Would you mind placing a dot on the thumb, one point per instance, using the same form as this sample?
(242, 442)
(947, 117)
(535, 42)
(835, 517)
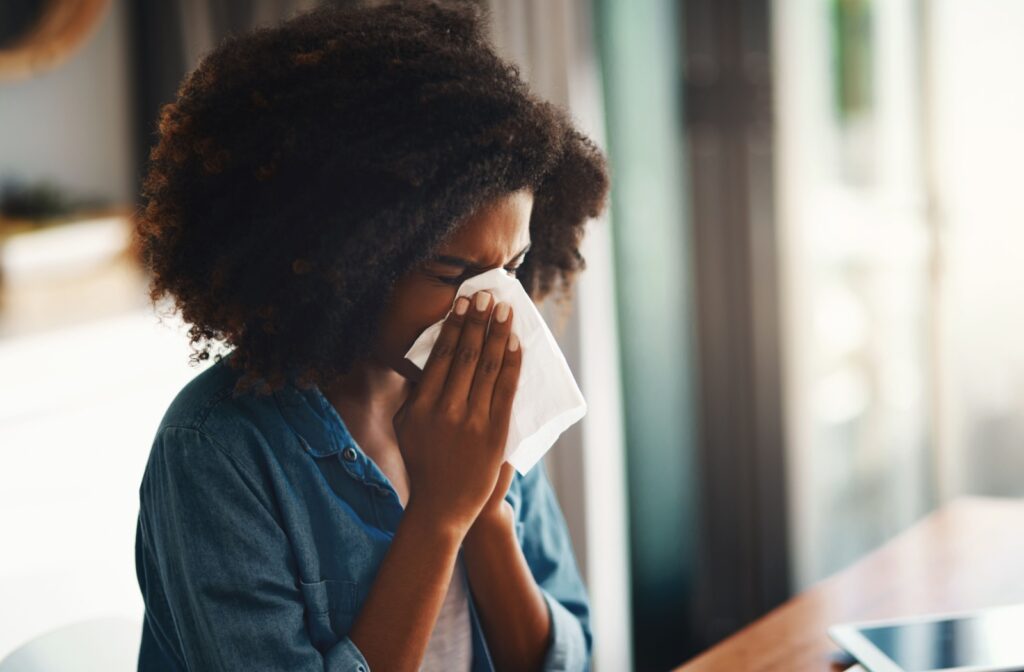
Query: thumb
(505, 478)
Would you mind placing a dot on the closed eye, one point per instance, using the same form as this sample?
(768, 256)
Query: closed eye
(459, 279)
(469, 268)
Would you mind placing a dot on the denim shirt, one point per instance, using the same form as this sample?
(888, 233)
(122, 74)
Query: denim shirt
(262, 524)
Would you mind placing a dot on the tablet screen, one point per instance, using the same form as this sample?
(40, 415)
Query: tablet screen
(989, 639)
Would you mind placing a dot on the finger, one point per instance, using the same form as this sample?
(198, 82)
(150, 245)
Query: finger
(505, 386)
(467, 353)
(490, 360)
(435, 371)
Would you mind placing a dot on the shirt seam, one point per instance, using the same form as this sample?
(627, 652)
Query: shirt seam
(211, 403)
(148, 549)
(249, 478)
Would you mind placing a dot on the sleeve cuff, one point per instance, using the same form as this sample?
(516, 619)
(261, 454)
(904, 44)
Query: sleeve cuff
(568, 649)
(345, 656)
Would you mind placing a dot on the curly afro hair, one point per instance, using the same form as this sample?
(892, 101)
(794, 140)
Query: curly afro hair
(303, 168)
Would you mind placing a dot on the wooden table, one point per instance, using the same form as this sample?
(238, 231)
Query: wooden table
(968, 554)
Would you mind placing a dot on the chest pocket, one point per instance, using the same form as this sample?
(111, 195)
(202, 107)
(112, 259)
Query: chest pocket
(330, 610)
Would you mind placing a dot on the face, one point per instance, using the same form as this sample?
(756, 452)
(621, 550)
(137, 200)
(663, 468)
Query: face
(497, 235)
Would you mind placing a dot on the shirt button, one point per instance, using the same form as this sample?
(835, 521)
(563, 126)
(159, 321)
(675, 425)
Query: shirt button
(349, 454)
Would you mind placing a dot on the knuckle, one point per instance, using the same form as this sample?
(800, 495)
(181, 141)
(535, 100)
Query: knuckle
(455, 320)
(490, 365)
(468, 354)
(450, 412)
(507, 384)
(477, 424)
(444, 348)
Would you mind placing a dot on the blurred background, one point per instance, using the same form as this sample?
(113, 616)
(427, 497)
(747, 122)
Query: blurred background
(800, 331)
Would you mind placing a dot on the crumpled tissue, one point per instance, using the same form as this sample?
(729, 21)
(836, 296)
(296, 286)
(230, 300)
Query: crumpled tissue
(548, 401)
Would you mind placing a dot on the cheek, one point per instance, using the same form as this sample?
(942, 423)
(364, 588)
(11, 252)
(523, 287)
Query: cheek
(410, 312)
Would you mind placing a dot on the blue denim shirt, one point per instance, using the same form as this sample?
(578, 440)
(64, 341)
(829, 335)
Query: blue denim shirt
(262, 524)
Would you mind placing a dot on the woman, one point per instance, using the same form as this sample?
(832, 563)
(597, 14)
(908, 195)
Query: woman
(319, 191)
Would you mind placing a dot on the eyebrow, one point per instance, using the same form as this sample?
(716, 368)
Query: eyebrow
(469, 263)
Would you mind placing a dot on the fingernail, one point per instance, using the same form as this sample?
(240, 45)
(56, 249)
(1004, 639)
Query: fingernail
(461, 305)
(501, 312)
(513, 342)
(482, 299)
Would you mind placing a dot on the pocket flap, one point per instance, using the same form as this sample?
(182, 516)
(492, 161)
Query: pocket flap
(329, 596)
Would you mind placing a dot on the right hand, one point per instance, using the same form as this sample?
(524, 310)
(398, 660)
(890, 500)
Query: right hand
(453, 426)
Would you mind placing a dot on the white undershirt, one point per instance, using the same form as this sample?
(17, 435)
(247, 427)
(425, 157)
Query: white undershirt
(451, 643)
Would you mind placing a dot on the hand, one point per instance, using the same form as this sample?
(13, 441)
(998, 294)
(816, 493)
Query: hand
(453, 426)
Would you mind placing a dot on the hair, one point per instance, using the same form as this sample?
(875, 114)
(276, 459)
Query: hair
(303, 168)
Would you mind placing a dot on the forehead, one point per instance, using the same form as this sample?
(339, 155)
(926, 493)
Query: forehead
(500, 227)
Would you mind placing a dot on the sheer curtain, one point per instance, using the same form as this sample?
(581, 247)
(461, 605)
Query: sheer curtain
(858, 263)
(900, 140)
(976, 102)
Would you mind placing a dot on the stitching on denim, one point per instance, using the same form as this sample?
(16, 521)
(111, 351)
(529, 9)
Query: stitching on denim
(255, 491)
(153, 626)
(303, 443)
(238, 467)
(280, 404)
(211, 403)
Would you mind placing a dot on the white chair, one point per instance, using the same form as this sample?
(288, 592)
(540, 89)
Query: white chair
(98, 645)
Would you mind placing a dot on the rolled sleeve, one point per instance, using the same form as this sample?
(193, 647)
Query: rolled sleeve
(216, 568)
(568, 649)
(345, 655)
(547, 548)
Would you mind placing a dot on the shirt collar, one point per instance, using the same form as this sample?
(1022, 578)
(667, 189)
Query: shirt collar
(314, 420)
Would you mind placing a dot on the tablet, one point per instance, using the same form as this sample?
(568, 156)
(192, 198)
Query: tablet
(987, 640)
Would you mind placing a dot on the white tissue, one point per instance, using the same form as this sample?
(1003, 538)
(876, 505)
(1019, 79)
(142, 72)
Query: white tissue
(548, 401)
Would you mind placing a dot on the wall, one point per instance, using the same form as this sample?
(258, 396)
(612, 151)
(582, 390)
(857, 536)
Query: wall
(72, 124)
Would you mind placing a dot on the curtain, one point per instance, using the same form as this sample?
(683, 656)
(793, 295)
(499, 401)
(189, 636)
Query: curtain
(553, 43)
